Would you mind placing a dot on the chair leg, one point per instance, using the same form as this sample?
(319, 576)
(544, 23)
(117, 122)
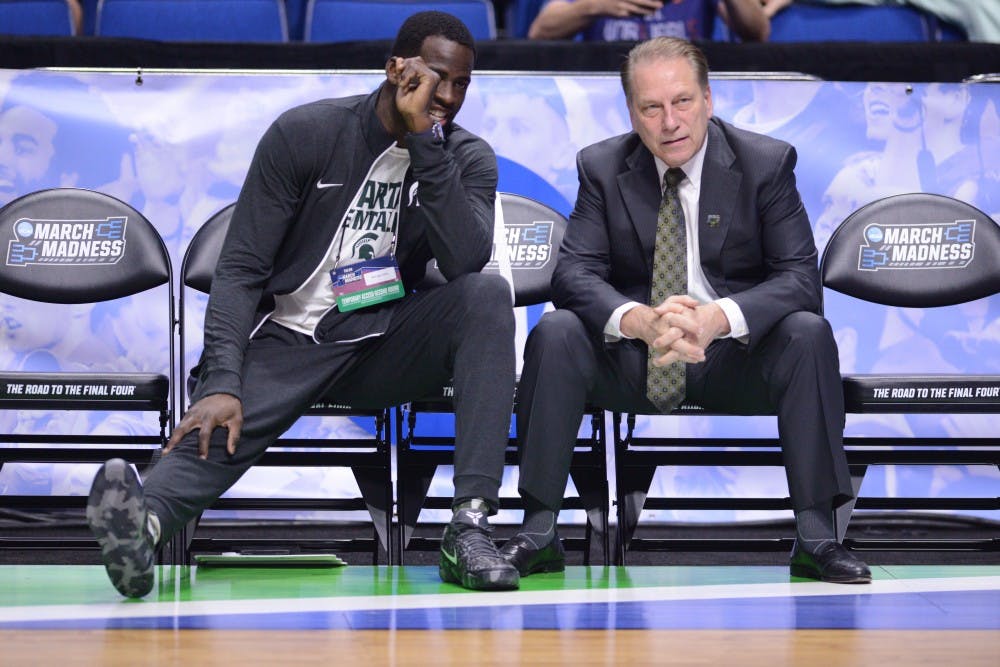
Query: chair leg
(373, 484)
(592, 485)
(413, 482)
(633, 486)
(842, 515)
(178, 550)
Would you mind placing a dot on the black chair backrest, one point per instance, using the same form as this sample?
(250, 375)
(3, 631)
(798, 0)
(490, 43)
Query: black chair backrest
(914, 250)
(67, 245)
(203, 251)
(531, 235)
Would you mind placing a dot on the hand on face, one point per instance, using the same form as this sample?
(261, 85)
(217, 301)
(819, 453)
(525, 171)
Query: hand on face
(415, 84)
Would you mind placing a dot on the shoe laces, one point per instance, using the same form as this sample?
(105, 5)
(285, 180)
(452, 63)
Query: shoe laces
(476, 543)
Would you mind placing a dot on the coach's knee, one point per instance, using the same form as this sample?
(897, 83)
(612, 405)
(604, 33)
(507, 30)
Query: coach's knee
(559, 331)
(807, 333)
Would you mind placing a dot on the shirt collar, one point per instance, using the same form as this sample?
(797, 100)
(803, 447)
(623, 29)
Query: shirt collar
(692, 168)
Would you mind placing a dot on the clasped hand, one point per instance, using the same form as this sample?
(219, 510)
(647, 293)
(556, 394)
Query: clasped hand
(679, 329)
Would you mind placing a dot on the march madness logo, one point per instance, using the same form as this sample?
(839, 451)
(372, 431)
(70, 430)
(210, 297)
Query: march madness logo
(67, 242)
(946, 245)
(529, 245)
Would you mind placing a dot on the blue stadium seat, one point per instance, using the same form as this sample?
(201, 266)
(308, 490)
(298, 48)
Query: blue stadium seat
(355, 20)
(35, 17)
(89, 16)
(194, 20)
(802, 22)
(943, 31)
(295, 12)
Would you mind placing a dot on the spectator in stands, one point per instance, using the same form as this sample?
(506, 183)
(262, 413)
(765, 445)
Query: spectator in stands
(76, 16)
(979, 19)
(629, 20)
(344, 204)
(736, 330)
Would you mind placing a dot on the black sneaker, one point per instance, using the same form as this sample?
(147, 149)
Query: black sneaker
(469, 557)
(116, 512)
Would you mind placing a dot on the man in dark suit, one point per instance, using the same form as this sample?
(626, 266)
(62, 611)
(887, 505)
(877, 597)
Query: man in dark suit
(739, 333)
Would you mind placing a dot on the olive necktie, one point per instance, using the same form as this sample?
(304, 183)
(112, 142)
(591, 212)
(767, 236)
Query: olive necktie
(665, 386)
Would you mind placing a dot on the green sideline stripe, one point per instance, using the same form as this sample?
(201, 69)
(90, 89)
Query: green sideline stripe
(30, 585)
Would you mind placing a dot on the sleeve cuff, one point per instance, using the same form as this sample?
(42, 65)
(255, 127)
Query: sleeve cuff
(737, 323)
(219, 382)
(434, 134)
(613, 328)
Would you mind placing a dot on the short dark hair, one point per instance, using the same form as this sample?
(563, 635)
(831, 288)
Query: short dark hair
(420, 26)
(666, 48)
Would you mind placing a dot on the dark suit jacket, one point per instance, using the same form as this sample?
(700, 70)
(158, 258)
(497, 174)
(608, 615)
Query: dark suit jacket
(755, 240)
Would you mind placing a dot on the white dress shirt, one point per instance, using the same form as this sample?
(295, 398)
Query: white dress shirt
(689, 191)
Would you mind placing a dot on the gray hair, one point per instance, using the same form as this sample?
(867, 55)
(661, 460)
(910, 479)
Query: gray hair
(664, 48)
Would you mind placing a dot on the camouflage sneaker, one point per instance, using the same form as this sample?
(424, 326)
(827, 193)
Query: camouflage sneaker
(116, 512)
(469, 557)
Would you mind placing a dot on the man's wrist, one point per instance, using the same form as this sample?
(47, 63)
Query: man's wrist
(635, 321)
(435, 132)
(719, 321)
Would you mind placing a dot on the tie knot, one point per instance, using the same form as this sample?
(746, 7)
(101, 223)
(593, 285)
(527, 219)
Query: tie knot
(673, 176)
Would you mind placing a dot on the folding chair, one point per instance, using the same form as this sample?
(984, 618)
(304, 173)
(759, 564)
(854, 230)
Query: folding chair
(78, 248)
(194, 20)
(356, 20)
(368, 458)
(917, 251)
(526, 237)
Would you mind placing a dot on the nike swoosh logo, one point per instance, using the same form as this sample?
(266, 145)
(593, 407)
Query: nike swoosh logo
(450, 557)
(320, 185)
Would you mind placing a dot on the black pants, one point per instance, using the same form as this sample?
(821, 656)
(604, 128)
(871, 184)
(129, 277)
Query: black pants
(794, 372)
(462, 330)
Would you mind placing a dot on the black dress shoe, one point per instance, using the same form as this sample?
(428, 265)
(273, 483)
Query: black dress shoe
(832, 562)
(528, 559)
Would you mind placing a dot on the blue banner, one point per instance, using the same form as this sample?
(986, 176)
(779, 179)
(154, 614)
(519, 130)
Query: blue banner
(176, 146)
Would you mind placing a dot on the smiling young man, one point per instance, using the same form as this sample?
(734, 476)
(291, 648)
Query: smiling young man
(340, 193)
(688, 272)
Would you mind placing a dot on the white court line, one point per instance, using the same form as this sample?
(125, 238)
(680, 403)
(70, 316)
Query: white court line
(504, 599)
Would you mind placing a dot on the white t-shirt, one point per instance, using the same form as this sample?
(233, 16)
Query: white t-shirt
(368, 230)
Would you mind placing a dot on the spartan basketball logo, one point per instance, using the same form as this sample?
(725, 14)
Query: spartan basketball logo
(946, 245)
(67, 242)
(529, 245)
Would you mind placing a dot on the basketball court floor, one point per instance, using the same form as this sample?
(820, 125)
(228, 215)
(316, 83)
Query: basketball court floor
(51, 614)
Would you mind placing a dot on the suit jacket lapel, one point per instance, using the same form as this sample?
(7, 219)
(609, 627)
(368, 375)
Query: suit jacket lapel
(719, 184)
(640, 192)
